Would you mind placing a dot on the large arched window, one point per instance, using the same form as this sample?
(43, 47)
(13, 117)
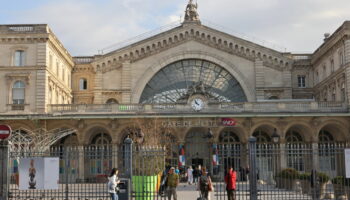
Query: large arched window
(295, 150)
(181, 79)
(18, 92)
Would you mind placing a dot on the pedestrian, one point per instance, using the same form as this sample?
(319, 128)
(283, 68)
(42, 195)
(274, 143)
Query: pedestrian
(177, 171)
(230, 180)
(195, 175)
(204, 184)
(172, 183)
(190, 175)
(113, 181)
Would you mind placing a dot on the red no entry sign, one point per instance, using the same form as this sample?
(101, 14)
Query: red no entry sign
(5, 132)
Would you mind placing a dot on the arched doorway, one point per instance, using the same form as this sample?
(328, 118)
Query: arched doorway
(100, 151)
(327, 155)
(197, 148)
(264, 148)
(230, 151)
(295, 150)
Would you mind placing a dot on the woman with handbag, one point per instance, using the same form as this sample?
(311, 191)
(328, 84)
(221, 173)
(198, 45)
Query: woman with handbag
(113, 181)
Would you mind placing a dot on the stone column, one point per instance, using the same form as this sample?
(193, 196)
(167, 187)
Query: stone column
(81, 162)
(283, 156)
(315, 156)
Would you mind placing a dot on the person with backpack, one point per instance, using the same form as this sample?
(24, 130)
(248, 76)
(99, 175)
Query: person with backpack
(230, 180)
(204, 184)
(113, 181)
(172, 183)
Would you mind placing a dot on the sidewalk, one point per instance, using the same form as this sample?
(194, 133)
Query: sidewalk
(185, 191)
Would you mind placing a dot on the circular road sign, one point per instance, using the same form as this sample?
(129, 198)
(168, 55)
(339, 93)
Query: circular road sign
(5, 132)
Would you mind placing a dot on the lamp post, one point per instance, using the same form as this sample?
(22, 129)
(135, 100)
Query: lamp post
(275, 137)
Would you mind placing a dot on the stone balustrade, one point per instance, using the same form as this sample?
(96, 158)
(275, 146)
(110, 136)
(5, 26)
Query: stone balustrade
(229, 108)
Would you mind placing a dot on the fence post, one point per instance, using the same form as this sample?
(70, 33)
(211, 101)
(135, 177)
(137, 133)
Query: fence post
(253, 169)
(4, 171)
(66, 170)
(128, 157)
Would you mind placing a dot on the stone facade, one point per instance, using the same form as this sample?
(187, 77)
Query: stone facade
(60, 91)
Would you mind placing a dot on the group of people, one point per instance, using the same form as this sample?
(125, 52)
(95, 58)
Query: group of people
(171, 180)
(202, 179)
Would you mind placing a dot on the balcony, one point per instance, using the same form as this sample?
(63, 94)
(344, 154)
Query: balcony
(219, 108)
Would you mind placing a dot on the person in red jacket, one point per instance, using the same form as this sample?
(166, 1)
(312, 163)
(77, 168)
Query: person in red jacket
(230, 180)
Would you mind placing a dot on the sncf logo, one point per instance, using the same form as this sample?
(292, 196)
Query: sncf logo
(228, 122)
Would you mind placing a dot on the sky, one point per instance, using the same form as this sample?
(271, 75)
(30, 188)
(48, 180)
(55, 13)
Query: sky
(87, 26)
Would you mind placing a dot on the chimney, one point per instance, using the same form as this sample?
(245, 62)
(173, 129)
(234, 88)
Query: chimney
(326, 36)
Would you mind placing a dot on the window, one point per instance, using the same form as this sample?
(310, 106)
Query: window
(82, 84)
(63, 73)
(295, 151)
(50, 62)
(19, 58)
(333, 94)
(324, 72)
(18, 92)
(57, 68)
(301, 81)
(316, 78)
(332, 65)
(341, 58)
(343, 92)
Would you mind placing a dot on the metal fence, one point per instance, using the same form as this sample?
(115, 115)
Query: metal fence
(291, 171)
(83, 172)
(264, 171)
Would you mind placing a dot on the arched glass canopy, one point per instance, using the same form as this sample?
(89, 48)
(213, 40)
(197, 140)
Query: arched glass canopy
(176, 82)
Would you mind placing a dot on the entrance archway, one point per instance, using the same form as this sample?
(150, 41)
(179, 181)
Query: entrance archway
(197, 148)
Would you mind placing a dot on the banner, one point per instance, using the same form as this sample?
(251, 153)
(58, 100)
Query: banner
(38, 173)
(182, 161)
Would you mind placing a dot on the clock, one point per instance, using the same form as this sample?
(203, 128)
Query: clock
(197, 104)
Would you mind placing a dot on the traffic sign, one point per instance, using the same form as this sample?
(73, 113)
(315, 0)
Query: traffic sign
(5, 132)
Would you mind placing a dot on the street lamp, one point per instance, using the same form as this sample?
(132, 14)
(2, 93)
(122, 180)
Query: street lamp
(275, 137)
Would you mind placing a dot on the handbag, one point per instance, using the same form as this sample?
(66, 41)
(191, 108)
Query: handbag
(117, 189)
(210, 186)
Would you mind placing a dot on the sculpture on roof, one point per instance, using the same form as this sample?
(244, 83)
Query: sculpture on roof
(191, 14)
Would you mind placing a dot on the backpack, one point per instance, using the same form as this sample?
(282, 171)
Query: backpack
(204, 182)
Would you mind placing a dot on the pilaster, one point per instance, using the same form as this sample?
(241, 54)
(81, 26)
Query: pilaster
(347, 84)
(347, 51)
(98, 87)
(259, 78)
(40, 88)
(126, 82)
(41, 54)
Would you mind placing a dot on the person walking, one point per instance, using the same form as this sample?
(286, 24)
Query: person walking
(113, 181)
(172, 183)
(195, 175)
(204, 184)
(230, 180)
(190, 175)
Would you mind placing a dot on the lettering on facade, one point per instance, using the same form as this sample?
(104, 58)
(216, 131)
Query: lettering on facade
(200, 123)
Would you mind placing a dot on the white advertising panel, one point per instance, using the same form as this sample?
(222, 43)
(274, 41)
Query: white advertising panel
(347, 162)
(38, 173)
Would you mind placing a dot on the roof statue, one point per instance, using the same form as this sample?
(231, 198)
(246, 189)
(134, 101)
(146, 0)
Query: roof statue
(191, 14)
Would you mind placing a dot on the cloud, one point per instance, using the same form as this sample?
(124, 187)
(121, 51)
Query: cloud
(85, 26)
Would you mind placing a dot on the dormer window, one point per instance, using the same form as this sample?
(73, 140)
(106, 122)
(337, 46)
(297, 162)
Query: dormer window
(19, 58)
(82, 84)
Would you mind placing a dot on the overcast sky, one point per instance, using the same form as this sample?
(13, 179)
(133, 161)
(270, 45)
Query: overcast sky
(86, 26)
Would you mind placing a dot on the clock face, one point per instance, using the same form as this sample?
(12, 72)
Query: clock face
(197, 104)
